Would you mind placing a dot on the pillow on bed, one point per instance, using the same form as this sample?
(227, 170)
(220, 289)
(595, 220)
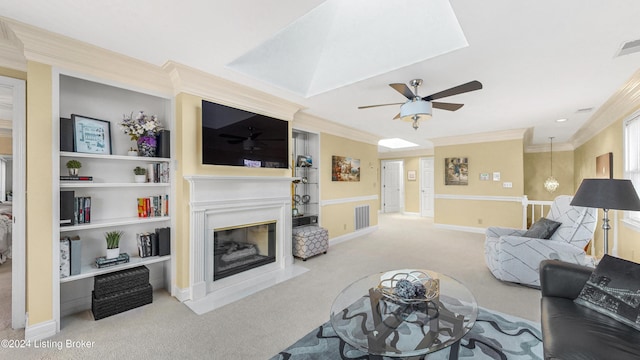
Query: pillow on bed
(613, 290)
(542, 229)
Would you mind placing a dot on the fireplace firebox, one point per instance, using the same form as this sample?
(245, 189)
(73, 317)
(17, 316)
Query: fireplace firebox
(241, 248)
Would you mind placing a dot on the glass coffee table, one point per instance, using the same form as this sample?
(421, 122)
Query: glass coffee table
(375, 321)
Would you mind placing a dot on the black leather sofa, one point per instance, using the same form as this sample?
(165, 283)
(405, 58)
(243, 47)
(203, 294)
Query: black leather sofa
(572, 331)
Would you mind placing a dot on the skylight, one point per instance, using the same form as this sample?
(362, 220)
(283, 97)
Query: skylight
(341, 42)
(396, 143)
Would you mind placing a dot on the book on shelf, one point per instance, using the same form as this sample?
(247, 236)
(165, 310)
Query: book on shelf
(158, 172)
(153, 206)
(82, 210)
(76, 178)
(102, 261)
(147, 244)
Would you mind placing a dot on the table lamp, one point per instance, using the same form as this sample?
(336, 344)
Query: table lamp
(607, 194)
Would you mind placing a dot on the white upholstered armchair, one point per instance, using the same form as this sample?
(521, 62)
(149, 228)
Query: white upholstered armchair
(512, 257)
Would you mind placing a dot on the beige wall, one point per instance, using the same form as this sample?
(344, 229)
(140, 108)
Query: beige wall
(339, 218)
(537, 170)
(505, 157)
(6, 145)
(39, 237)
(608, 140)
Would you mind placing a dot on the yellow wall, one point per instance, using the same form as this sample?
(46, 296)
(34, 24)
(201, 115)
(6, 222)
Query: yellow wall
(537, 170)
(39, 237)
(339, 218)
(412, 188)
(16, 74)
(505, 157)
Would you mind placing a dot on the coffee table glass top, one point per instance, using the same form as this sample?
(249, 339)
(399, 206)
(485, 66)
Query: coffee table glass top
(378, 325)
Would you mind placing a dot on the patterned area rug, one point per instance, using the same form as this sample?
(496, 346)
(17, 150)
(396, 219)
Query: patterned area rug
(494, 336)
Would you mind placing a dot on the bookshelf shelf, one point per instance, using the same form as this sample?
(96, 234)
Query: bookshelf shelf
(88, 271)
(81, 184)
(97, 224)
(66, 154)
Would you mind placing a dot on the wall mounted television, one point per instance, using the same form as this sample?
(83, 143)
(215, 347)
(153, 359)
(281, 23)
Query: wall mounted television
(237, 137)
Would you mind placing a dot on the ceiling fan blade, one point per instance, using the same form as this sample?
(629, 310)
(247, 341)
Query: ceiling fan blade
(446, 106)
(397, 116)
(254, 136)
(470, 86)
(371, 106)
(404, 90)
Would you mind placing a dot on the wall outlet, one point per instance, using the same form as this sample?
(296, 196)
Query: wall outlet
(507, 185)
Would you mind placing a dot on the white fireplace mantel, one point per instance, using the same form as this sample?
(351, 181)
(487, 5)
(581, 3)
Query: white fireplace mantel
(224, 201)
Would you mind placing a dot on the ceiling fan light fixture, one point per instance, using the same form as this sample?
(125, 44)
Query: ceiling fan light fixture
(412, 108)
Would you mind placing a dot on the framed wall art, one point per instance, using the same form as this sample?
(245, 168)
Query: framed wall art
(345, 168)
(456, 171)
(91, 135)
(604, 166)
(411, 175)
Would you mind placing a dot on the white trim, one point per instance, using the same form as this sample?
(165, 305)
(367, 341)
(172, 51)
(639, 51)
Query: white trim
(417, 214)
(348, 200)
(471, 229)
(350, 236)
(18, 267)
(40, 331)
(181, 294)
(517, 199)
(516, 134)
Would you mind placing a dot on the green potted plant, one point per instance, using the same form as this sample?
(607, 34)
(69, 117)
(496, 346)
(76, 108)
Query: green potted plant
(113, 243)
(74, 167)
(140, 174)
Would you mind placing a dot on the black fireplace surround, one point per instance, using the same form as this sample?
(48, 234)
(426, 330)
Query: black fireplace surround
(243, 248)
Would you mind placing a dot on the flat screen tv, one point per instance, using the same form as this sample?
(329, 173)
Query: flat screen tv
(237, 137)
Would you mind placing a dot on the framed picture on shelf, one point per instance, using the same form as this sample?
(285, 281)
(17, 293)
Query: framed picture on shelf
(91, 135)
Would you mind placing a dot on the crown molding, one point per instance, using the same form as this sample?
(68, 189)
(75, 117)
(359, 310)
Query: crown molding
(11, 49)
(186, 79)
(56, 50)
(397, 154)
(567, 146)
(515, 134)
(620, 105)
(307, 122)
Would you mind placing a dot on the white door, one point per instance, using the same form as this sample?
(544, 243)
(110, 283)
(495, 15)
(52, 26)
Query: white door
(427, 190)
(391, 186)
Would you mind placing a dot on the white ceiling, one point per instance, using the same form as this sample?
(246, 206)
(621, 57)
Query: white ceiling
(538, 60)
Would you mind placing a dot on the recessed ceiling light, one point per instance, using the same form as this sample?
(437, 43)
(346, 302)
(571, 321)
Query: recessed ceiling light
(396, 143)
(561, 120)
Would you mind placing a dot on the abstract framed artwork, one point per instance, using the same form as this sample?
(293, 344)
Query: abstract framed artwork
(91, 135)
(345, 168)
(456, 171)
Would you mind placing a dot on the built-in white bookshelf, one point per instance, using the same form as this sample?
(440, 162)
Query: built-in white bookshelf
(114, 193)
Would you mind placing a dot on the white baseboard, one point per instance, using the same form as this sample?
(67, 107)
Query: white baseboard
(461, 228)
(40, 331)
(181, 294)
(411, 213)
(353, 235)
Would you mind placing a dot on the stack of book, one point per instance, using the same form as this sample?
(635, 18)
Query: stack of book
(82, 209)
(102, 261)
(153, 206)
(70, 178)
(147, 244)
(158, 172)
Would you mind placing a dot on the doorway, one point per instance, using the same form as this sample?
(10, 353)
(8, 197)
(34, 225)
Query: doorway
(392, 186)
(12, 201)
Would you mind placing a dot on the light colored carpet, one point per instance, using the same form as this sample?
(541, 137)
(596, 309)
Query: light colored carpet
(260, 326)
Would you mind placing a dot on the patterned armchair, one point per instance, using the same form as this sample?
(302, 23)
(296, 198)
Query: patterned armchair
(512, 257)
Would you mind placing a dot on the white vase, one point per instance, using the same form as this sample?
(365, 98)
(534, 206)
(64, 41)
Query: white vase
(74, 171)
(113, 253)
(132, 152)
(140, 178)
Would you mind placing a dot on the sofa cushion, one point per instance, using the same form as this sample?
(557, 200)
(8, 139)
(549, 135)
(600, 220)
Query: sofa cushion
(542, 229)
(613, 289)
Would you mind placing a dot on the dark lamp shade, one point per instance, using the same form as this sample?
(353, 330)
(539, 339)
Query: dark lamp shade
(616, 194)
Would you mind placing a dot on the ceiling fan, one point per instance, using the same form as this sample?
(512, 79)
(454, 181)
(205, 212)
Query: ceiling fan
(419, 108)
(250, 142)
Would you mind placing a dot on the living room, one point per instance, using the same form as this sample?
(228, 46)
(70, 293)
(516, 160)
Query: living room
(40, 57)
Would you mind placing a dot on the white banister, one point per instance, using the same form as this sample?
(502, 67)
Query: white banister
(537, 209)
